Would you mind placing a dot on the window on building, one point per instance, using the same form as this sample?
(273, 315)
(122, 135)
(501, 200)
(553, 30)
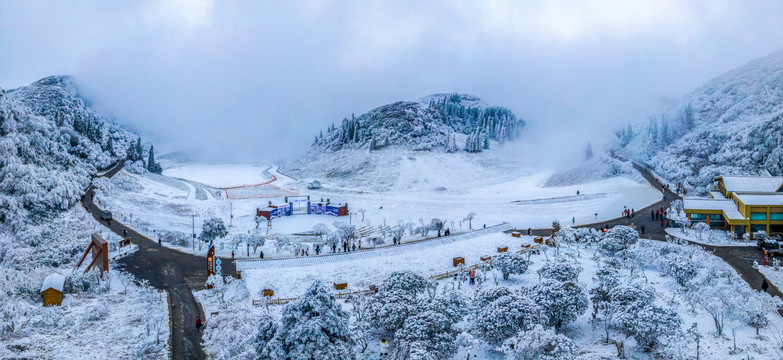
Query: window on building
(758, 216)
(776, 229)
(754, 228)
(717, 221)
(739, 230)
(776, 216)
(698, 217)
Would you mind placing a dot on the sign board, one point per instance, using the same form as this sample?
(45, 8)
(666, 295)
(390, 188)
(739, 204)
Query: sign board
(210, 260)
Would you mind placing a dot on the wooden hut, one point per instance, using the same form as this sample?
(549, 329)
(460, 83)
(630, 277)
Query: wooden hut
(52, 290)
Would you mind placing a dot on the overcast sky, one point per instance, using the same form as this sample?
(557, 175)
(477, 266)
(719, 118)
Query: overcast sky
(256, 80)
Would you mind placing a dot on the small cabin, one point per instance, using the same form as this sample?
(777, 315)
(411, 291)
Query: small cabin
(52, 290)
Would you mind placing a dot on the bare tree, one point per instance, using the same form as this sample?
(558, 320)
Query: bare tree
(470, 218)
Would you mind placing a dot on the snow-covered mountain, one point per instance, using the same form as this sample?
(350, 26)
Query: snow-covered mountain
(431, 123)
(409, 145)
(51, 142)
(731, 125)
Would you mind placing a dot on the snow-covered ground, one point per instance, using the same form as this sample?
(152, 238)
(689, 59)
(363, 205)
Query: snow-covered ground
(501, 194)
(708, 237)
(220, 176)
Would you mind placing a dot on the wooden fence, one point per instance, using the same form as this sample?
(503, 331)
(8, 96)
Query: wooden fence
(449, 274)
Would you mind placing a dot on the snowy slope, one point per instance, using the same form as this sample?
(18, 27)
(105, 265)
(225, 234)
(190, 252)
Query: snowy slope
(51, 141)
(731, 125)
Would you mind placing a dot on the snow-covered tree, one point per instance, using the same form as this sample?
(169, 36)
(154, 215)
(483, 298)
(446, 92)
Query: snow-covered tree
(344, 231)
(469, 218)
(315, 327)
(153, 166)
(506, 316)
(588, 151)
(266, 345)
(426, 335)
(212, 229)
(618, 238)
(406, 281)
(510, 263)
(540, 344)
(758, 307)
(562, 302)
(653, 324)
(560, 271)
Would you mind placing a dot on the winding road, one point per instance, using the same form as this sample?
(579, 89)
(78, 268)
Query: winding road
(176, 272)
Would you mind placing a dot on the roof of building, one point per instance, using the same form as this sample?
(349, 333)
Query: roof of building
(773, 198)
(727, 206)
(54, 281)
(751, 183)
(716, 194)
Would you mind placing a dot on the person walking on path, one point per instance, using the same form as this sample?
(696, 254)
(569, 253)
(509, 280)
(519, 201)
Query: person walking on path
(529, 231)
(764, 285)
(261, 254)
(232, 254)
(472, 276)
(652, 214)
(633, 212)
(198, 323)
(573, 220)
(642, 229)
(661, 222)
(125, 232)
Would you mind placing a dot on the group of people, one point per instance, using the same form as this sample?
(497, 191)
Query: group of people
(662, 215)
(628, 213)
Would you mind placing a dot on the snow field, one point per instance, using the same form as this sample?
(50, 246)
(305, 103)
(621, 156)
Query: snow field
(220, 175)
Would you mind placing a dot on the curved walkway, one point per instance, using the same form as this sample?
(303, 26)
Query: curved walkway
(738, 257)
(167, 269)
(242, 265)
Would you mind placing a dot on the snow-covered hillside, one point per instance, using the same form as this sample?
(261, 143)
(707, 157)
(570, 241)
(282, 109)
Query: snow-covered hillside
(432, 123)
(51, 142)
(731, 125)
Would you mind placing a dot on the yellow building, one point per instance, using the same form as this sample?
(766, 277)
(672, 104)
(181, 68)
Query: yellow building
(741, 204)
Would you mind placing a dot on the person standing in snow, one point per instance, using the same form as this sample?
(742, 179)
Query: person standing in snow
(573, 220)
(472, 276)
(529, 231)
(642, 229)
(261, 254)
(232, 254)
(652, 214)
(633, 212)
(198, 323)
(764, 285)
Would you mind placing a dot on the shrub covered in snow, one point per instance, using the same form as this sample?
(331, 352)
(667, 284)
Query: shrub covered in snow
(315, 327)
(560, 271)
(506, 316)
(562, 302)
(510, 263)
(541, 344)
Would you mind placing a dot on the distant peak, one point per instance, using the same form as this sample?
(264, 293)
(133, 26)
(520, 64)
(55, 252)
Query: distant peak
(56, 80)
(451, 97)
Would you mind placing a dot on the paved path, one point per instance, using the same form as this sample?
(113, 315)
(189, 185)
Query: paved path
(168, 269)
(366, 254)
(738, 257)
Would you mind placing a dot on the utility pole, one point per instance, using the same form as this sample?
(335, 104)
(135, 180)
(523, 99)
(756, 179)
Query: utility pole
(231, 212)
(193, 240)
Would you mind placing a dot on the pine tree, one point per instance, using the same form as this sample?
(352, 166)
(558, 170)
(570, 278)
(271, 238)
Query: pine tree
(139, 150)
(152, 166)
(266, 345)
(315, 327)
(131, 153)
(110, 146)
